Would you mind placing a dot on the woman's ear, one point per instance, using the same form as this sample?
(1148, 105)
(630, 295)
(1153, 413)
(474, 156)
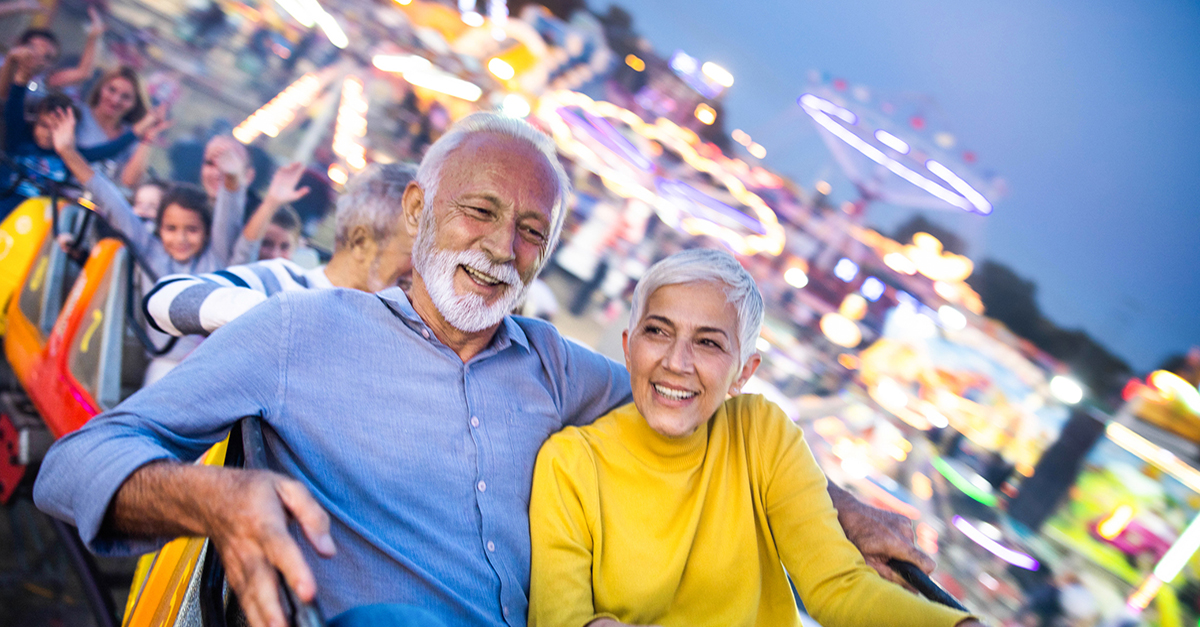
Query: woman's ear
(747, 371)
(625, 346)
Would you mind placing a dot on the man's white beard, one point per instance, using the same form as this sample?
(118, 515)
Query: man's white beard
(466, 312)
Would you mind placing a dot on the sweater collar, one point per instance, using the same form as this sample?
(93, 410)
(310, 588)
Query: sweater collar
(657, 450)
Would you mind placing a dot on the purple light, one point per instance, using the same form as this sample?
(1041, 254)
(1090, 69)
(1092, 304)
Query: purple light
(1016, 558)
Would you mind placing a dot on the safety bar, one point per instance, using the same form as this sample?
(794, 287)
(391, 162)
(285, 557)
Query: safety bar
(923, 584)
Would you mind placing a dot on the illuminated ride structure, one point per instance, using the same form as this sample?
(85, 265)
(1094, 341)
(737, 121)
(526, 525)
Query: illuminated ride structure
(891, 163)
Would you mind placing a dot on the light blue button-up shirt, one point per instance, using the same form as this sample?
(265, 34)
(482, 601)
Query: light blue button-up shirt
(424, 463)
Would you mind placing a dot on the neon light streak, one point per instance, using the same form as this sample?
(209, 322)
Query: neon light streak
(1179, 553)
(444, 83)
(820, 110)
(351, 125)
(966, 486)
(1014, 557)
(274, 116)
(891, 141)
(1125, 438)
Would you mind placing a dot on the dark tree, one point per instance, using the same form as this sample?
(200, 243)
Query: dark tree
(920, 224)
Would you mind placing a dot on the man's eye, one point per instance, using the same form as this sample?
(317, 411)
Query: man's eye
(535, 234)
(479, 211)
(711, 344)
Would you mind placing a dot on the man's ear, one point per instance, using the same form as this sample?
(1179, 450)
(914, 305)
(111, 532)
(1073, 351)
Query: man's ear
(361, 244)
(413, 203)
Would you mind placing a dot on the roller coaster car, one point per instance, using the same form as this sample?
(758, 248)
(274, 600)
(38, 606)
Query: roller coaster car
(22, 234)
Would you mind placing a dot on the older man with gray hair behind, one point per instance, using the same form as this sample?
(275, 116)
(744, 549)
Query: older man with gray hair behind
(371, 252)
(401, 428)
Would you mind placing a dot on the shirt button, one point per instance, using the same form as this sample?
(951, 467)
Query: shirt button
(425, 332)
(491, 546)
(474, 421)
(482, 486)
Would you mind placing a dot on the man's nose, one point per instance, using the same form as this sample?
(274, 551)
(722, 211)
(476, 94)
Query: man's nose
(500, 243)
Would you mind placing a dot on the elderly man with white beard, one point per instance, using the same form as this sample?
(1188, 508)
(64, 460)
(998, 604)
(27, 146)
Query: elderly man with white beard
(401, 430)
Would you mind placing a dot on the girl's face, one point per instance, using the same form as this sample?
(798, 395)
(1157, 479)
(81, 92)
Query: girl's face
(146, 201)
(117, 98)
(277, 243)
(182, 233)
(42, 133)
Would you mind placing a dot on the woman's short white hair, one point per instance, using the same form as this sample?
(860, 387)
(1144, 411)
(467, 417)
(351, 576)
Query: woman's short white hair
(716, 266)
(429, 174)
(373, 199)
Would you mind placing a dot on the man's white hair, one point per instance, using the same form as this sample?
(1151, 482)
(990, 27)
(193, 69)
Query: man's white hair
(429, 174)
(373, 199)
(715, 266)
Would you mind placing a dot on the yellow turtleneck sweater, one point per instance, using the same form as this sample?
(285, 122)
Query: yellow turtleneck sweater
(651, 530)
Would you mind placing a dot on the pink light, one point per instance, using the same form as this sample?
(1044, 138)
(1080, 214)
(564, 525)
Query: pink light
(1016, 558)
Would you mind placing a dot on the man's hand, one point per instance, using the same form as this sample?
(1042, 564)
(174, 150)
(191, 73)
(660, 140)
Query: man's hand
(250, 532)
(283, 188)
(23, 60)
(879, 535)
(244, 513)
(62, 130)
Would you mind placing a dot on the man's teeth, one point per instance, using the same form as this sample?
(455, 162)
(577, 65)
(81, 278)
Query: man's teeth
(481, 277)
(677, 395)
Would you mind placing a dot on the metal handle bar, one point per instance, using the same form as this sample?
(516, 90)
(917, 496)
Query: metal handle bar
(923, 584)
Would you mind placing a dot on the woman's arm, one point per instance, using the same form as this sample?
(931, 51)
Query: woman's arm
(837, 586)
(147, 131)
(564, 484)
(87, 61)
(283, 190)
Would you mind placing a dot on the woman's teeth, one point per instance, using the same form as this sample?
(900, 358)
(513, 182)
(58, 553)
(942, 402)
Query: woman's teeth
(481, 277)
(676, 395)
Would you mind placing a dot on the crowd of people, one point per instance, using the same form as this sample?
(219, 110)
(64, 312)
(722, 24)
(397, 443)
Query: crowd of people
(405, 414)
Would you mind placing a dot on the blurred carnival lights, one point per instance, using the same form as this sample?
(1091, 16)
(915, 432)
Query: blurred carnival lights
(1014, 557)
(706, 114)
(275, 116)
(891, 141)
(1172, 386)
(1112, 526)
(635, 62)
(400, 63)
(515, 106)
(962, 195)
(351, 125)
(501, 69)
(845, 270)
(1066, 389)
(756, 150)
(841, 330)
(444, 83)
(795, 277)
(952, 318)
(718, 74)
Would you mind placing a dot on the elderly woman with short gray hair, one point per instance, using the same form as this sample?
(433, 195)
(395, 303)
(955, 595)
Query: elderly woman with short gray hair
(693, 505)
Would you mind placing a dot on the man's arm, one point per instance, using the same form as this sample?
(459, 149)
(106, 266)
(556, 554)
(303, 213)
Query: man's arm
(121, 481)
(878, 534)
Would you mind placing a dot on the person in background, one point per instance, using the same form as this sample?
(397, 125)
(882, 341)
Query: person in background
(372, 251)
(115, 104)
(31, 146)
(37, 49)
(717, 489)
(284, 189)
(282, 237)
(17, 7)
(189, 237)
(146, 201)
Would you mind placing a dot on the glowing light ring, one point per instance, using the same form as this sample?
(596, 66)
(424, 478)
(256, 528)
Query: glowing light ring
(631, 182)
(1012, 556)
(962, 195)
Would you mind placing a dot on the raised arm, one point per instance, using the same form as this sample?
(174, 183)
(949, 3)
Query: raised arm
(87, 60)
(17, 129)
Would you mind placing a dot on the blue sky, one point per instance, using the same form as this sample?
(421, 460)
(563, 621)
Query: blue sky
(1089, 110)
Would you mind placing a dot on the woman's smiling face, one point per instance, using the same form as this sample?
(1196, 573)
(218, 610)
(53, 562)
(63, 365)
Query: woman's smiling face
(683, 356)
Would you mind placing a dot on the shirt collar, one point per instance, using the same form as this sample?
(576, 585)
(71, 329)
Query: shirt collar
(317, 279)
(509, 332)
